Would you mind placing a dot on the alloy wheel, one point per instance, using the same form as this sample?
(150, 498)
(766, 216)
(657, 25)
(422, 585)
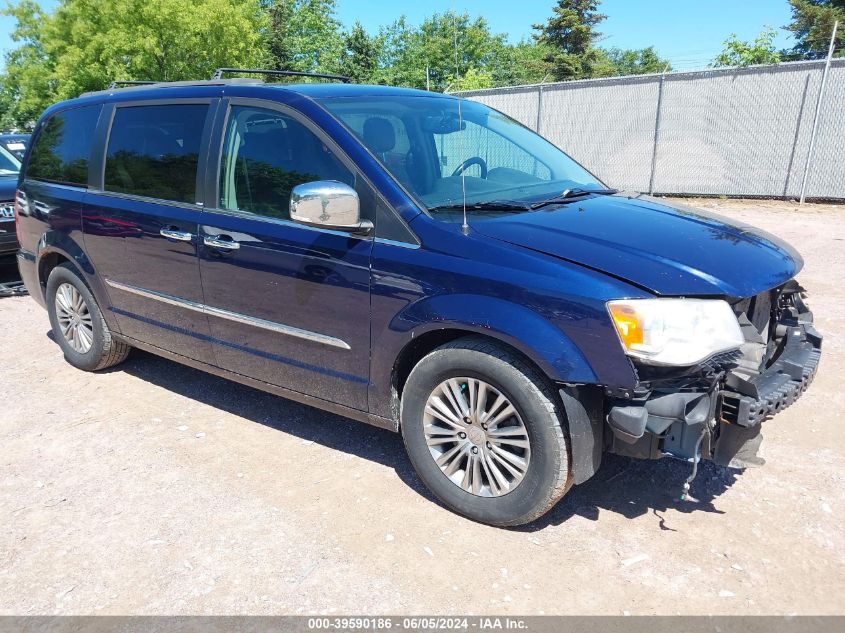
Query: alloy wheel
(74, 318)
(477, 437)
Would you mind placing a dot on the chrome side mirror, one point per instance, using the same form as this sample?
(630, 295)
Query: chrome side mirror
(329, 204)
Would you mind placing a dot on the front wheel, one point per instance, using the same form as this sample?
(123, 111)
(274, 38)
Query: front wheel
(483, 431)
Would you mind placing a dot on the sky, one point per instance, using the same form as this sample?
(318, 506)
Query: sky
(689, 33)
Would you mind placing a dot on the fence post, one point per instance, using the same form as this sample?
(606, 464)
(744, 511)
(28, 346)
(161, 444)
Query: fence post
(539, 108)
(656, 133)
(819, 100)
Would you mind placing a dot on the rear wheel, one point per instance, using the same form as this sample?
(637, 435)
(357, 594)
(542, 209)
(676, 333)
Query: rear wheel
(78, 324)
(483, 431)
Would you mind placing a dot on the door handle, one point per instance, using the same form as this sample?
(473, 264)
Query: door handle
(221, 241)
(174, 234)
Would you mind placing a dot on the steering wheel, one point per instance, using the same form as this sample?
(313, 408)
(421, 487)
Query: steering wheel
(469, 162)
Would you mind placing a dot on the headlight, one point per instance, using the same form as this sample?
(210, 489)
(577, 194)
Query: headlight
(675, 331)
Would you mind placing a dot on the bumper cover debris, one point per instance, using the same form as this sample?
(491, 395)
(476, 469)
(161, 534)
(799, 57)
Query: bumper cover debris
(747, 401)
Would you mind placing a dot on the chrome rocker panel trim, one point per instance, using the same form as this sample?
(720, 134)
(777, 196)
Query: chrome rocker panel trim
(280, 328)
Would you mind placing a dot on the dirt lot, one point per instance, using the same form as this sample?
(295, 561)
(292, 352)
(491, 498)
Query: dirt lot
(157, 489)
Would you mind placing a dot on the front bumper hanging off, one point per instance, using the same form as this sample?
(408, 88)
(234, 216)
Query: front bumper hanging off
(748, 401)
(714, 411)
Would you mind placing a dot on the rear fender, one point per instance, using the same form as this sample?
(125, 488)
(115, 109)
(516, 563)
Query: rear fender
(62, 244)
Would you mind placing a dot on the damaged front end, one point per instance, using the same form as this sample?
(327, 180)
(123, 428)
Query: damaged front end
(713, 410)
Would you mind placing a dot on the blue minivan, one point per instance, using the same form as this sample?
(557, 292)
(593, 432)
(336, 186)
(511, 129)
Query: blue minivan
(415, 261)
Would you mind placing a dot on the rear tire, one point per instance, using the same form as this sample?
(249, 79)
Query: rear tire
(528, 447)
(78, 324)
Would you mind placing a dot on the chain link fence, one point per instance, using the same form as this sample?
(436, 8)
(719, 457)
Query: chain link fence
(732, 131)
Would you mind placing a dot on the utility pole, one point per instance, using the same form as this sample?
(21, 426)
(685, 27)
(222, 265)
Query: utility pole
(818, 112)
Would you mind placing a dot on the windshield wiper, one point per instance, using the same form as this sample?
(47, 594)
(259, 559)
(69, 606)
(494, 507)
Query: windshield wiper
(571, 194)
(492, 205)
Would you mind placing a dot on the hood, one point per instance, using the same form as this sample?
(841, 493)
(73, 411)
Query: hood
(666, 249)
(8, 184)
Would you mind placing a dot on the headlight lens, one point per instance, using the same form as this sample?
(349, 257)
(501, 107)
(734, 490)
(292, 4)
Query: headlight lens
(675, 331)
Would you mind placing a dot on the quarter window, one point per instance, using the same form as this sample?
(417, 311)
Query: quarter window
(153, 151)
(265, 155)
(63, 147)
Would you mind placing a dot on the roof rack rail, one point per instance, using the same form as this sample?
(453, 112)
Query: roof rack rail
(218, 74)
(129, 82)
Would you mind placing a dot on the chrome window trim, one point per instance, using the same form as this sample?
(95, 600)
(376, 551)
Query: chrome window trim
(273, 326)
(384, 240)
(179, 204)
(269, 219)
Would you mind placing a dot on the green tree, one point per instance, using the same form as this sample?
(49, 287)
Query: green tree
(812, 25)
(85, 44)
(27, 83)
(361, 56)
(520, 64)
(616, 62)
(305, 35)
(474, 79)
(759, 51)
(569, 36)
(446, 46)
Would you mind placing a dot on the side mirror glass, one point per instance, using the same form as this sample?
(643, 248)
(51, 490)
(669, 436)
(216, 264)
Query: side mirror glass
(328, 204)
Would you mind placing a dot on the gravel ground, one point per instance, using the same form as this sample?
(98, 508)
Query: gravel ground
(157, 489)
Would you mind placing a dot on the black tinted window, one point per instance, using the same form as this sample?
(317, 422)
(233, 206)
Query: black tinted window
(63, 147)
(153, 151)
(265, 155)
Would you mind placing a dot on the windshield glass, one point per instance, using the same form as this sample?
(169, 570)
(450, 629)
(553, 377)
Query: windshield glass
(9, 165)
(428, 145)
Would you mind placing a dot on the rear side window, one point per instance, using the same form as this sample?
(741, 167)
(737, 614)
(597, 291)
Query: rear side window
(63, 147)
(153, 151)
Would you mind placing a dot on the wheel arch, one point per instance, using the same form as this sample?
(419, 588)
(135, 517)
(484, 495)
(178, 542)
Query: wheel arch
(428, 341)
(56, 248)
(438, 320)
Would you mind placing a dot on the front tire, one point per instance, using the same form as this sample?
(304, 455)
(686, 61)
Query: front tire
(78, 324)
(484, 433)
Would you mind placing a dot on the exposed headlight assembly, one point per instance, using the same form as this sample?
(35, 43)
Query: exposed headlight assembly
(675, 331)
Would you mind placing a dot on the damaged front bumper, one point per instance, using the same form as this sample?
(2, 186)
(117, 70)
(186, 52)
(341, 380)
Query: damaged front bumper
(713, 411)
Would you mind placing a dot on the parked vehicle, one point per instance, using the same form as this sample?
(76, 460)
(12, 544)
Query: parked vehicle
(418, 262)
(10, 168)
(15, 144)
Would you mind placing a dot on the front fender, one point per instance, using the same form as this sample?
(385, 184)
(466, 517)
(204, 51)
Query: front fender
(537, 338)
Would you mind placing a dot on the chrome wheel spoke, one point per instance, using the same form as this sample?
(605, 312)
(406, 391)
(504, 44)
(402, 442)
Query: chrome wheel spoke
(506, 431)
(440, 410)
(510, 461)
(498, 482)
(506, 413)
(447, 460)
(74, 318)
(63, 300)
(77, 301)
(456, 398)
(438, 441)
(84, 335)
(508, 441)
(480, 399)
(476, 437)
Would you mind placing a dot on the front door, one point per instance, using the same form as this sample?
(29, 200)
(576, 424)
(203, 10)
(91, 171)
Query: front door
(140, 226)
(287, 304)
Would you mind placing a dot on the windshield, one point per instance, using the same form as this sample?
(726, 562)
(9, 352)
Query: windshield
(9, 165)
(435, 151)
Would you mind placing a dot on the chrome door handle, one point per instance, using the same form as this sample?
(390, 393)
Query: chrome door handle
(173, 234)
(217, 241)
